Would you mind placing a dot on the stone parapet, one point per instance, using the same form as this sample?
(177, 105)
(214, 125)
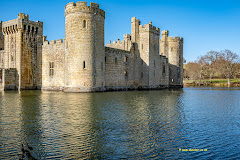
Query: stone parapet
(82, 7)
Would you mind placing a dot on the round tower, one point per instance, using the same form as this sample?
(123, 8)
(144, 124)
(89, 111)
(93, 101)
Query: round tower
(85, 57)
(175, 59)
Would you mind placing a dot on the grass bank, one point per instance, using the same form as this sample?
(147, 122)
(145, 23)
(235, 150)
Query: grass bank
(213, 82)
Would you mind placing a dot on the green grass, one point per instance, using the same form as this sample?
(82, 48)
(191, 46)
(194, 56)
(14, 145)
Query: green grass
(213, 81)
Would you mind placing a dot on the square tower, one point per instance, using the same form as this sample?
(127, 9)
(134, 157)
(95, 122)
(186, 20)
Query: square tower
(22, 59)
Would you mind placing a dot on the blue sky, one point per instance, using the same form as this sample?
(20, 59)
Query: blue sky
(204, 24)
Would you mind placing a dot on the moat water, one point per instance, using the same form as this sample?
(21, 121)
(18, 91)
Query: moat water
(189, 123)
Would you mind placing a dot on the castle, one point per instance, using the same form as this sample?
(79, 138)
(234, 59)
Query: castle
(81, 62)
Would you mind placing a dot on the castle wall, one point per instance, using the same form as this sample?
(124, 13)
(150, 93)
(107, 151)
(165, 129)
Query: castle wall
(53, 65)
(9, 80)
(2, 59)
(119, 69)
(1, 38)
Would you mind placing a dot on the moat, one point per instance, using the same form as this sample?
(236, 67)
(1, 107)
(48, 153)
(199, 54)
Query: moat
(114, 125)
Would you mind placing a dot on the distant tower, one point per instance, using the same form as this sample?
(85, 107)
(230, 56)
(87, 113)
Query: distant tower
(172, 48)
(23, 50)
(85, 57)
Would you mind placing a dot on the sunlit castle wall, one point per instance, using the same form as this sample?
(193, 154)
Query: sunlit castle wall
(84, 29)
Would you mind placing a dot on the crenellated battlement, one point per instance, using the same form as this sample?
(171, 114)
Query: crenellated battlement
(175, 39)
(149, 28)
(115, 50)
(53, 42)
(82, 7)
(23, 16)
(165, 33)
(125, 44)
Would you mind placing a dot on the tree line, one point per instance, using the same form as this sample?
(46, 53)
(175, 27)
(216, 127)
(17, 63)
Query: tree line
(214, 64)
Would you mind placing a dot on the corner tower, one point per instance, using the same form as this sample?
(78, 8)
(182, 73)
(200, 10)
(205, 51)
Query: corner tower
(23, 51)
(84, 31)
(172, 48)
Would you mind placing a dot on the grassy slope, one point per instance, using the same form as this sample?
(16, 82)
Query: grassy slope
(213, 81)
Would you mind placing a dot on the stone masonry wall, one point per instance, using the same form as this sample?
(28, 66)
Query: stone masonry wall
(22, 46)
(10, 80)
(53, 52)
(2, 59)
(119, 69)
(1, 38)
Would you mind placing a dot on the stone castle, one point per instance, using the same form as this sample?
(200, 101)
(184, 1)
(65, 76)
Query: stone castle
(81, 62)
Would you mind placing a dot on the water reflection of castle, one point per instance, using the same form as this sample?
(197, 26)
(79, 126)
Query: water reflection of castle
(81, 62)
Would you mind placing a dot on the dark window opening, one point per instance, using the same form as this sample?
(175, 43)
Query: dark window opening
(164, 69)
(84, 23)
(102, 66)
(105, 59)
(36, 29)
(126, 74)
(29, 28)
(84, 65)
(24, 27)
(116, 60)
(141, 74)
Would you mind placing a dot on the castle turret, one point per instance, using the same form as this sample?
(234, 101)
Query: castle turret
(164, 43)
(172, 48)
(84, 29)
(135, 29)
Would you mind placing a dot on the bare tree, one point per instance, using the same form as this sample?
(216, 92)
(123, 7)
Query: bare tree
(227, 64)
(211, 59)
(192, 70)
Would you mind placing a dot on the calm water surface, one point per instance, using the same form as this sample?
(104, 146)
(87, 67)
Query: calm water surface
(114, 125)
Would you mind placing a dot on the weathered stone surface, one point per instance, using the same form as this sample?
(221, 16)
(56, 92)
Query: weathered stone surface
(80, 62)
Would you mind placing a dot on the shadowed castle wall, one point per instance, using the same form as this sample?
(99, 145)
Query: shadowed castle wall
(172, 48)
(119, 69)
